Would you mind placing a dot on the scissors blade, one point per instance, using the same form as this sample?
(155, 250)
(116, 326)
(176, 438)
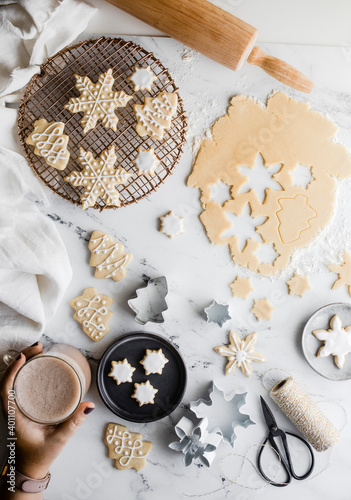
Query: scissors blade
(268, 415)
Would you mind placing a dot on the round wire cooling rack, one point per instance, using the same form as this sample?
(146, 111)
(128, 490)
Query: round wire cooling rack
(49, 91)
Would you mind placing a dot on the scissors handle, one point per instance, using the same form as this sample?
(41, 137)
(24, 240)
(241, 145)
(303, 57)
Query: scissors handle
(286, 463)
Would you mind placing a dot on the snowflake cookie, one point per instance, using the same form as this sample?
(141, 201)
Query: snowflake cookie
(154, 361)
(262, 309)
(241, 287)
(121, 371)
(298, 285)
(144, 393)
(240, 353)
(50, 142)
(142, 78)
(127, 448)
(155, 115)
(337, 341)
(344, 272)
(97, 101)
(98, 178)
(108, 256)
(91, 311)
(146, 161)
(172, 224)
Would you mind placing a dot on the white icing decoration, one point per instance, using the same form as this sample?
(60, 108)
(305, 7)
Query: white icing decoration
(149, 116)
(129, 451)
(144, 393)
(142, 78)
(111, 253)
(172, 225)
(146, 161)
(337, 341)
(154, 361)
(48, 141)
(92, 310)
(121, 371)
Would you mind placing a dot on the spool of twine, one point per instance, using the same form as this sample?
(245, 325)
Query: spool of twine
(298, 406)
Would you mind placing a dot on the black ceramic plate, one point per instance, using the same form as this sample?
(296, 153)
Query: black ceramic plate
(170, 384)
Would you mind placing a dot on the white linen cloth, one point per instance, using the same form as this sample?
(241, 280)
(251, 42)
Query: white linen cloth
(34, 265)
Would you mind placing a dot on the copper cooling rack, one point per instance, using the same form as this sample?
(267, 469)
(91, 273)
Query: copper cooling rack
(49, 91)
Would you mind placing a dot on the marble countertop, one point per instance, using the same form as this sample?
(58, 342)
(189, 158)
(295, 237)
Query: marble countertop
(198, 272)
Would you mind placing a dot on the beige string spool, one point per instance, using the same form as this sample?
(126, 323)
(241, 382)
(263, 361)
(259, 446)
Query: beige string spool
(298, 406)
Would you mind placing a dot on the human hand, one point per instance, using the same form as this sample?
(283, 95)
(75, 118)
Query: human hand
(38, 445)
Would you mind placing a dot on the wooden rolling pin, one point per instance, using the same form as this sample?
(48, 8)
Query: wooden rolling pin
(215, 33)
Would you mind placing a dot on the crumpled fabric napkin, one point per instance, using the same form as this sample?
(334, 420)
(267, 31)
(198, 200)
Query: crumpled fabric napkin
(34, 265)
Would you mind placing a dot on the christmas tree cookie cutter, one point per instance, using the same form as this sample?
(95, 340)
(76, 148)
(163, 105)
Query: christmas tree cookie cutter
(149, 302)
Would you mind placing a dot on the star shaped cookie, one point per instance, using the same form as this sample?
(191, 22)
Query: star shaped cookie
(142, 78)
(97, 101)
(98, 178)
(144, 393)
(154, 361)
(241, 287)
(337, 341)
(298, 285)
(121, 371)
(172, 224)
(240, 353)
(262, 309)
(344, 272)
(146, 161)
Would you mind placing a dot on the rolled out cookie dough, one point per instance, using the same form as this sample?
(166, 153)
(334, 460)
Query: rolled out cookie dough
(278, 133)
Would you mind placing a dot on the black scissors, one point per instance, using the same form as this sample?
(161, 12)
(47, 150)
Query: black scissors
(275, 432)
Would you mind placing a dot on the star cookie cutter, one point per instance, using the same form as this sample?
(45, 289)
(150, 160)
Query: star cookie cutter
(222, 413)
(148, 303)
(195, 442)
(217, 313)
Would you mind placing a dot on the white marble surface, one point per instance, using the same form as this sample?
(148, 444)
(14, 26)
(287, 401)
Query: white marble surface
(198, 272)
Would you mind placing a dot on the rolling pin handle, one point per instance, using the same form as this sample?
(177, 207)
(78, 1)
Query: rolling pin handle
(280, 70)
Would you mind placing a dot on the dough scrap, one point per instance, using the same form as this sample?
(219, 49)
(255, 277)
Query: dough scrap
(241, 287)
(262, 309)
(278, 132)
(344, 272)
(298, 285)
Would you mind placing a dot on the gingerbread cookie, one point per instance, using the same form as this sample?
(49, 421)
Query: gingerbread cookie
(154, 361)
(97, 101)
(144, 393)
(337, 341)
(155, 115)
(142, 78)
(146, 161)
(240, 353)
(91, 311)
(108, 256)
(98, 178)
(50, 142)
(127, 448)
(121, 371)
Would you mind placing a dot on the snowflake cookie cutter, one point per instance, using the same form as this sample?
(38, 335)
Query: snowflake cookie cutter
(222, 413)
(148, 303)
(195, 442)
(217, 313)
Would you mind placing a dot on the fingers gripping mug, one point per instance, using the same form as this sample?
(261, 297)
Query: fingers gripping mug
(50, 386)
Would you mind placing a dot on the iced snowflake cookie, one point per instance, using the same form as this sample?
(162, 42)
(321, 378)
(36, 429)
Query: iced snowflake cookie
(127, 448)
(91, 311)
(50, 142)
(171, 224)
(142, 78)
(154, 361)
(155, 115)
(108, 256)
(121, 371)
(98, 178)
(144, 393)
(337, 341)
(97, 101)
(146, 161)
(240, 353)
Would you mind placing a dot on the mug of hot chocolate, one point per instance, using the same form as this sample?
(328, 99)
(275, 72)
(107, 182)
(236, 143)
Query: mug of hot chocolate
(50, 386)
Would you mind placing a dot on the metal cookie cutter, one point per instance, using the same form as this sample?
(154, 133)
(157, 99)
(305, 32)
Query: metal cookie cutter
(149, 302)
